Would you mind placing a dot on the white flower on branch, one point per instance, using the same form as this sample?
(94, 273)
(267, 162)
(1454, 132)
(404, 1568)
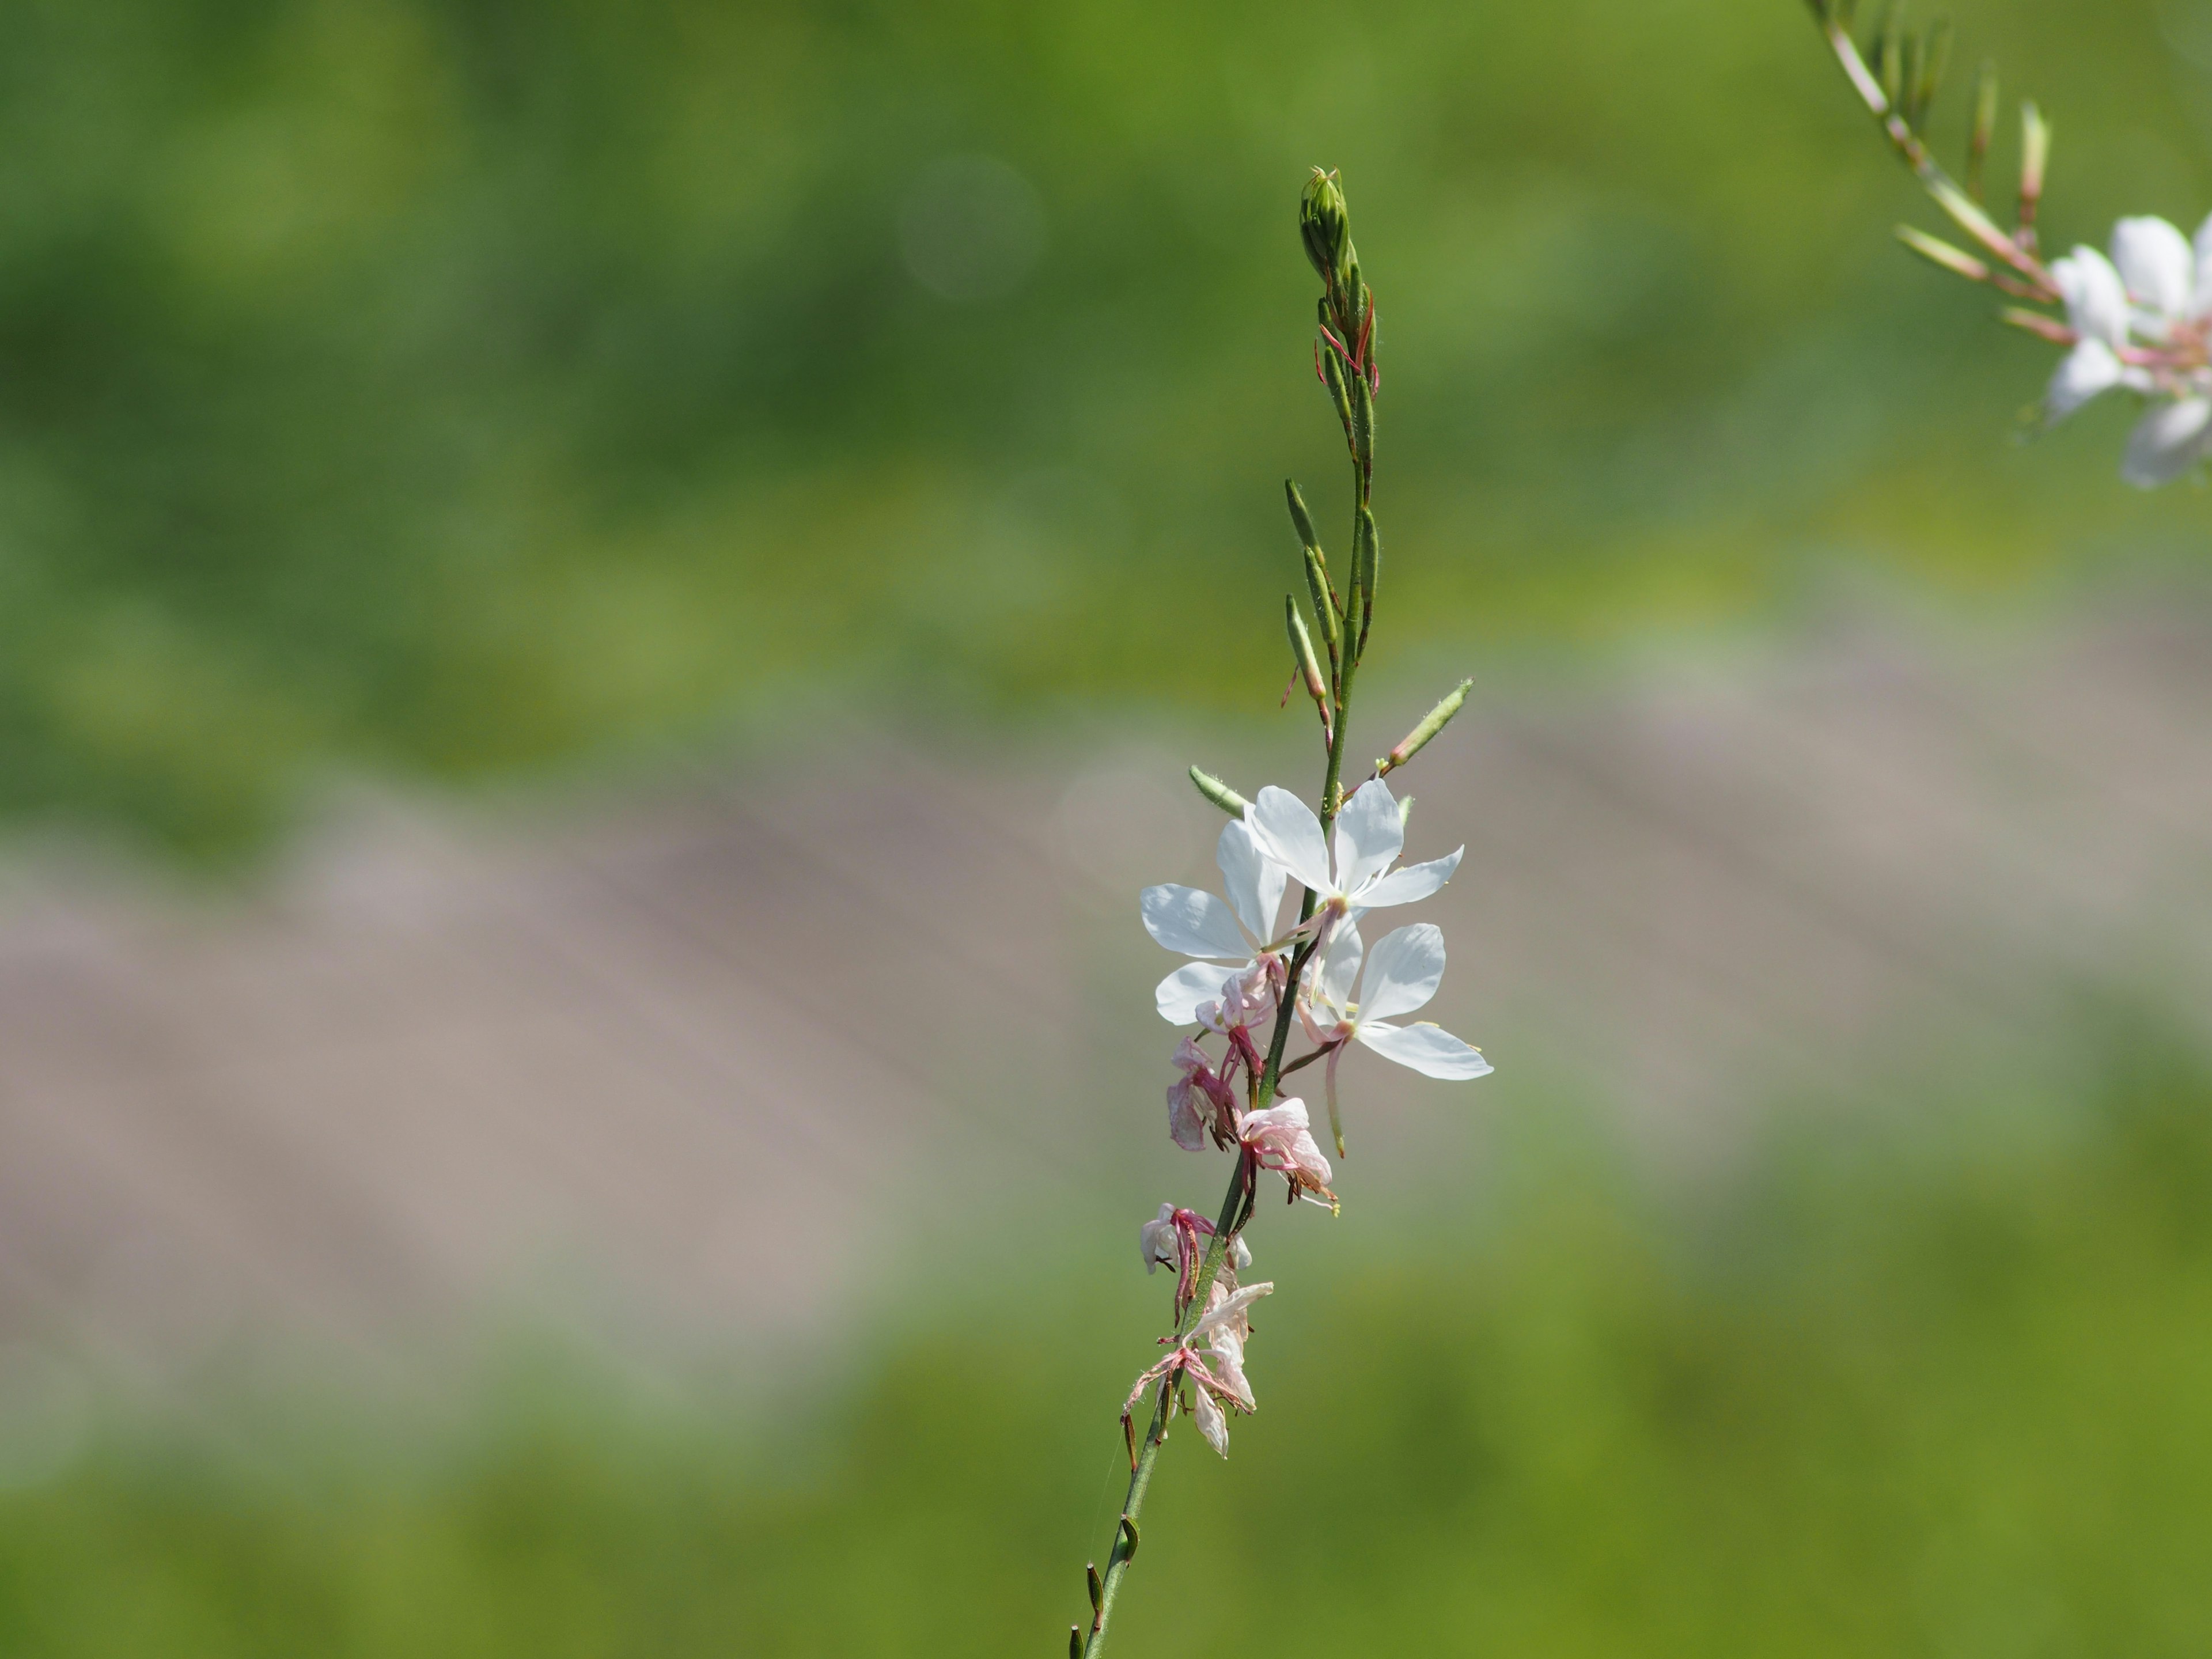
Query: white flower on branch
(2141, 321)
(1370, 833)
(1355, 1000)
(1196, 923)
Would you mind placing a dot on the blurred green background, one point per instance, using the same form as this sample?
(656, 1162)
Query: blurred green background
(461, 388)
(483, 391)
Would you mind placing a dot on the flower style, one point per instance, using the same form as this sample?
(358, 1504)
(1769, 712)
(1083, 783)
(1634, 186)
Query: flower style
(1210, 1361)
(1281, 1139)
(1401, 975)
(1370, 833)
(1196, 923)
(2157, 287)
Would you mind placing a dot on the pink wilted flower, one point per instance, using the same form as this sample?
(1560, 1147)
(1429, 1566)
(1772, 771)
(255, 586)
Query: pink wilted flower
(1200, 1102)
(1281, 1139)
(1173, 1239)
(1209, 1363)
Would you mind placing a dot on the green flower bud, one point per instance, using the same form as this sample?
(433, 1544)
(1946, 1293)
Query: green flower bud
(1219, 792)
(1431, 723)
(1325, 225)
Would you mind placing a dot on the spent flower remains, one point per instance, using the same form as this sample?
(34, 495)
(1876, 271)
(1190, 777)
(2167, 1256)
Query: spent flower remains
(2137, 321)
(1257, 977)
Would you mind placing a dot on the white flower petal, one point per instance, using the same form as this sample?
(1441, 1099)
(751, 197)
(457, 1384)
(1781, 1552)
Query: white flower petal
(1339, 969)
(1230, 1307)
(2155, 264)
(2166, 442)
(1403, 973)
(1429, 1050)
(2202, 299)
(1193, 921)
(1156, 1240)
(1370, 835)
(1415, 881)
(1240, 1253)
(1213, 1422)
(1177, 996)
(2081, 373)
(1254, 881)
(2096, 298)
(1289, 833)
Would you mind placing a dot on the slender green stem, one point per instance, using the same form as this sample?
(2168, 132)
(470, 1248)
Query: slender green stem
(1243, 1174)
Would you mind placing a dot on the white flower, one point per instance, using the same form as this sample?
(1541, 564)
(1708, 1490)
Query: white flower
(2158, 268)
(1213, 1422)
(2167, 442)
(1196, 923)
(2157, 286)
(1369, 835)
(1401, 975)
(2097, 312)
(1225, 1324)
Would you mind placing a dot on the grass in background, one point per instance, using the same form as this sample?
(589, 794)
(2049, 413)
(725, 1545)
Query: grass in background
(1883, 1397)
(459, 386)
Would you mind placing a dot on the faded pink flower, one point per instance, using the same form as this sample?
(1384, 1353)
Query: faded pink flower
(1281, 1139)
(1200, 1103)
(1209, 1363)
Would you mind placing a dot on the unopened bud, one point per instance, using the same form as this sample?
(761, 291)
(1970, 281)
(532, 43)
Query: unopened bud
(1939, 252)
(2034, 152)
(1302, 647)
(1301, 520)
(1431, 723)
(1324, 600)
(1219, 792)
(1074, 1642)
(1984, 128)
(1325, 226)
(1098, 1589)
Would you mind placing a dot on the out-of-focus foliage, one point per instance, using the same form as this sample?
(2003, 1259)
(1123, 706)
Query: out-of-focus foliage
(465, 384)
(1874, 1403)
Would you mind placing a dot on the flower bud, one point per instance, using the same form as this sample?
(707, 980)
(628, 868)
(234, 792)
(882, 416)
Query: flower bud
(1301, 520)
(1325, 226)
(1219, 792)
(1324, 600)
(1302, 647)
(1431, 723)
